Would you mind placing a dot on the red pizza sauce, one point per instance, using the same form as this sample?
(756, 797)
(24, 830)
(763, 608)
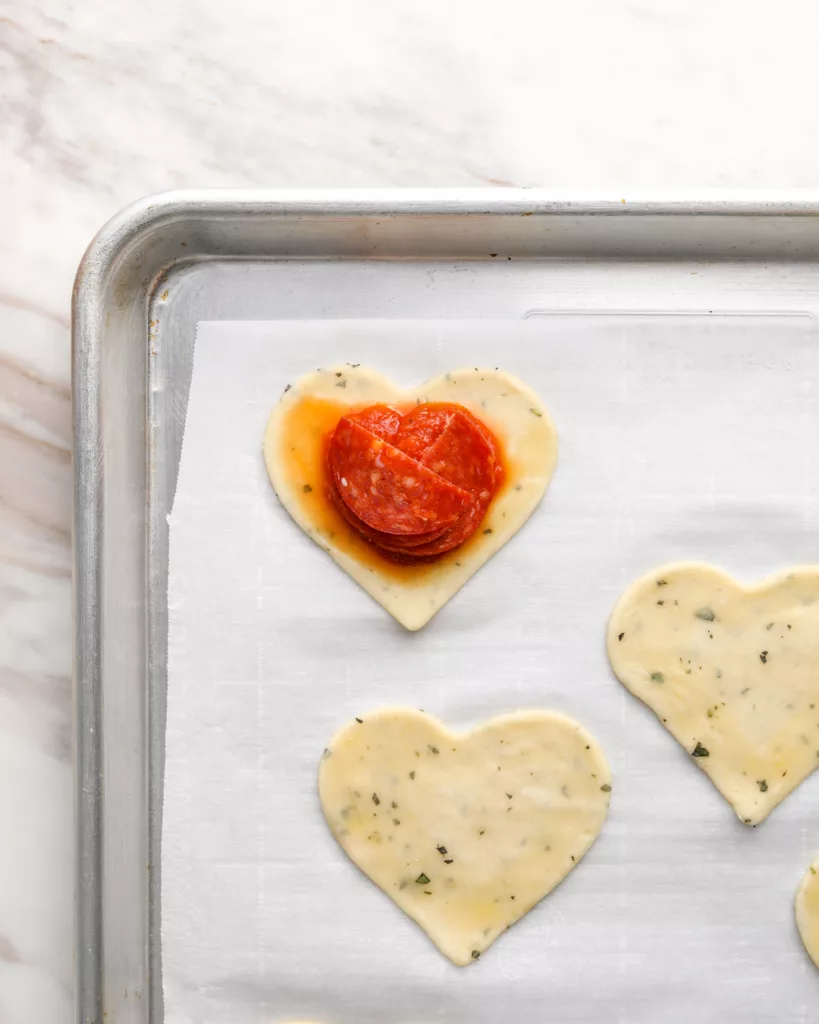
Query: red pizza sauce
(415, 485)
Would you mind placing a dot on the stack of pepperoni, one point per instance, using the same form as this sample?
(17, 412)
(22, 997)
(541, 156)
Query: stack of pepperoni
(414, 485)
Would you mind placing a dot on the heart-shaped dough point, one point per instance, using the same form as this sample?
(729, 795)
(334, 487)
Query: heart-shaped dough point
(731, 672)
(807, 911)
(374, 522)
(466, 832)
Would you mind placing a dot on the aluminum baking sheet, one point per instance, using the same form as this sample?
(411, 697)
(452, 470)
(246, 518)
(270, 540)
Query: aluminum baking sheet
(172, 261)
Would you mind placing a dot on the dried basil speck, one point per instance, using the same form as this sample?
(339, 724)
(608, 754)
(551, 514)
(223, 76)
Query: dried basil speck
(699, 751)
(376, 799)
(657, 677)
(763, 785)
(706, 614)
(662, 583)
(606, 787)
(360, 721)
(535, 412)
(442, 850)
(475, 954)
(307, 489)
(422, 879)
(621, 635)
(432, 749)
(763, 657)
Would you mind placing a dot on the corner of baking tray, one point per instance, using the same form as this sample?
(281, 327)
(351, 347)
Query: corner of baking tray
(109, 245)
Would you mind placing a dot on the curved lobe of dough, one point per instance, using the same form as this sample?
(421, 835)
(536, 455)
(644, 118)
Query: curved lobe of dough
(466, 832)
(513, 412)
(807, 911)
(732, 673)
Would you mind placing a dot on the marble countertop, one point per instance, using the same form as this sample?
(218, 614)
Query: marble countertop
(103, 103)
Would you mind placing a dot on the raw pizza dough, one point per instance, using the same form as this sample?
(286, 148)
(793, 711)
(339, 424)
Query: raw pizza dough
(807, 911)
(293, 456)
(732, 672)
(466, 832)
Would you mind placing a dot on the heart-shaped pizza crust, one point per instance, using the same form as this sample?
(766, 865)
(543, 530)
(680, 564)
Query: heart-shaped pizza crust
(807, 911)
(731, 672)
(466, 832)
(294, 451)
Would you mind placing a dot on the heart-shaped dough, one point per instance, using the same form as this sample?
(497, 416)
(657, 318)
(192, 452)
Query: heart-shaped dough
(807, 911)
(294, 450)
(466, 832)
(731, 672)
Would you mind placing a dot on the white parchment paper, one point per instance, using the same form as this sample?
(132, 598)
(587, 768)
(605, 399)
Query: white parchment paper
(681, 437)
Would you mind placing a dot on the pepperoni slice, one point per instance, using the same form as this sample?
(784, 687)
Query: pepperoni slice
(462, 456)
(386, 489)
(453, 537)
(422, 427)
(390, 542)
(380, 420)
(384, 421)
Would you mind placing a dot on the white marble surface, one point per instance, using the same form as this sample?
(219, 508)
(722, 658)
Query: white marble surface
(103, 102)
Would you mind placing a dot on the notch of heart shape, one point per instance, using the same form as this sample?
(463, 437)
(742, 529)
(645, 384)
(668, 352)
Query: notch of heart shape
(730, 671)
(465, 832)
(412, 590)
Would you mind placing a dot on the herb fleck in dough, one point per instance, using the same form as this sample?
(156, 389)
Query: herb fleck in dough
(469, 831)
(807, 911)
(732, 673)
(500, 400)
